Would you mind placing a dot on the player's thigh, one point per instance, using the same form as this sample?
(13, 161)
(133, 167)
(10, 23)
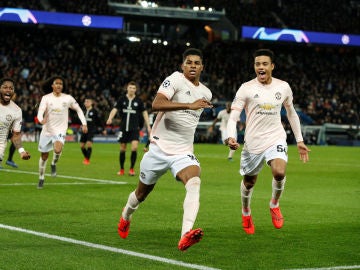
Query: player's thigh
(277, 151)
(251, 164)
(153, 165)
(184, 167)
(45, 144)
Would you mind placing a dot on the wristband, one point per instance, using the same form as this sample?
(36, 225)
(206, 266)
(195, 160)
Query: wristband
(21, 150)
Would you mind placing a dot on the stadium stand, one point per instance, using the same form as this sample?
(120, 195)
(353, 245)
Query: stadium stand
(325, 79)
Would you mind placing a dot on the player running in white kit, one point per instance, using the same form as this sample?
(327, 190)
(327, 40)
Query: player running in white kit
(265, 139)
(53, 114)
(180, 101)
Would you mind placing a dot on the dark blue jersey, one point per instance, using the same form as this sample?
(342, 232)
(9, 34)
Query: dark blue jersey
(130, 112)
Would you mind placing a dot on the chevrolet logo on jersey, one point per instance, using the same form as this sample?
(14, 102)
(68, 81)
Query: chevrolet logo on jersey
(267, 106)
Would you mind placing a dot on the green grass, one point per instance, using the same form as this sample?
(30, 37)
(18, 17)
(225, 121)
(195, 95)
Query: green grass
(321, 206)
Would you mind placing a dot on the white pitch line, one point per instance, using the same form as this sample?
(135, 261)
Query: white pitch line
(330, 268)
(69, 177)
(112, 249)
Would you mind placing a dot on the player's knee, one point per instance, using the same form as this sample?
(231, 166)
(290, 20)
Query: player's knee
(279, 175)
(249, 181)
(193, 184)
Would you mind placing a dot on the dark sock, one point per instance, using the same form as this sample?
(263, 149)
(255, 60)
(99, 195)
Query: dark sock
(83, 150)
(11, 151)
(133, 158)
(88, 152)
(122, 159)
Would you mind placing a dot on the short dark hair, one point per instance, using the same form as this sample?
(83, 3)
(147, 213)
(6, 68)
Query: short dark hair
(192, 51)
(266, 52)
(6, 79)
(46, 86)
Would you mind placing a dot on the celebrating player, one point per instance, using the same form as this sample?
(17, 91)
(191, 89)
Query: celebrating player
(53, 114)
(180, 100)
(10, 119)
(265, 138)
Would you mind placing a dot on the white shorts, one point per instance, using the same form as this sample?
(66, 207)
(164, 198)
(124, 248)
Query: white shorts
(2, 149)
(251, 164)
(155, 163)
(46, 142)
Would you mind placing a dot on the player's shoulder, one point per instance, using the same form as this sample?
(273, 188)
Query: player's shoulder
(14, 106)
(279, 82)
(250, 83)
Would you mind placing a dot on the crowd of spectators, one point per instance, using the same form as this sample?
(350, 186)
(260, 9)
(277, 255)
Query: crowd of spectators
(325, 80)
(322, 15)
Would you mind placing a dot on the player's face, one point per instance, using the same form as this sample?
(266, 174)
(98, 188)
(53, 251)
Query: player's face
(88, 103)
(192, 68)
(131, 89)
(57, 87)
(263, 68)
(6, 92)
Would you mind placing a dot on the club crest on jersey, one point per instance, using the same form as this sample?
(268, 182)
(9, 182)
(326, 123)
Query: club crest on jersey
(8, 117)
(278, 95)
(166, 83)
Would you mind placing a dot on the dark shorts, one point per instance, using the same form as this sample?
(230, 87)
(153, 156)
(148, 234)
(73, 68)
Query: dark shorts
(128, 136)
(87, 137)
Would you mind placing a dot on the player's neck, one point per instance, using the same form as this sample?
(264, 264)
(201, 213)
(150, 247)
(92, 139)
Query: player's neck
(130, 96)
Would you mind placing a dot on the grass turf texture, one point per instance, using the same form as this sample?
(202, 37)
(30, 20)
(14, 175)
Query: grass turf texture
(321, 207)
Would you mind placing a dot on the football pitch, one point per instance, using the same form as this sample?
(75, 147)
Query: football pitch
(72, 222)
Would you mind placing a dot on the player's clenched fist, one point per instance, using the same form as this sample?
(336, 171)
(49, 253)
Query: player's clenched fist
(24, 154)
(232, 143)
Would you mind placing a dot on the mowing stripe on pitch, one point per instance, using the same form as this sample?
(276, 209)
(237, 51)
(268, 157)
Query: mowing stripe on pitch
(344, 267)
(70, 177)
(112, 249)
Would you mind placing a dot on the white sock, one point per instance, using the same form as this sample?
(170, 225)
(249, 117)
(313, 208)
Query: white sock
(245, 199)
(55, 158)
(191, 204)
(130, 207)
(277, 190)
(231, 153)
(42, 166)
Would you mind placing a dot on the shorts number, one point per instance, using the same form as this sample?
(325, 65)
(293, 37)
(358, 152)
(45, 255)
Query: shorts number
(281, 148)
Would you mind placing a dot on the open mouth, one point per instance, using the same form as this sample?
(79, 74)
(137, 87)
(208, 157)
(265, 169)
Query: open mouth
(7, 96)
(262, 75)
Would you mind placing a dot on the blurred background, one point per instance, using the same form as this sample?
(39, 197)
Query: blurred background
(100, 45)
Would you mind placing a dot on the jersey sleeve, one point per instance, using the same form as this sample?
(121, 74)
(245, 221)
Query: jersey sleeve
(169, 85)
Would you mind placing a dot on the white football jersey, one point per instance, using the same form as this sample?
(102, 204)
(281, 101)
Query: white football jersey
(173, 131)
(10, 119)
(262, 104)
(55, 110)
